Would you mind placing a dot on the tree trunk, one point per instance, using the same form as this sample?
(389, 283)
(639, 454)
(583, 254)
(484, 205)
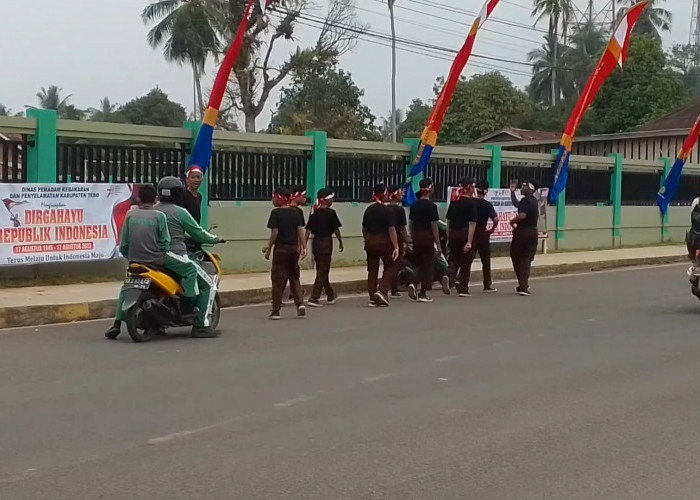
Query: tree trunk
(199, 114)
(393, 72)
(553, 21)
(250, 122)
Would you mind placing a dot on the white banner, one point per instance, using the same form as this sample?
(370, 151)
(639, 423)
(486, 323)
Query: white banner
(505, 202)
(42, 223)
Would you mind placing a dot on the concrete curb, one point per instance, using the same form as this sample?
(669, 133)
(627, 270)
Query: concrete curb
(13, 317)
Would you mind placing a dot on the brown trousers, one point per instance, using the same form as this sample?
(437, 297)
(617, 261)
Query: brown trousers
(378, 248)
(399, 262)
(522, 252)
(424, 255)
(322, 249)
(482, 244)
(458, 262)
(285, 268)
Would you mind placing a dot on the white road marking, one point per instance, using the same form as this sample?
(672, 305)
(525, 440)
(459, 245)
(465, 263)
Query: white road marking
(191, 432)
(292, 402)
(381, 376)
(447, 358)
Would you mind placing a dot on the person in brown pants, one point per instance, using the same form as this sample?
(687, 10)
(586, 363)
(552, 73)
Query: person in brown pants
(482, 236)
(524, 245)
(287, 245)
(381, 244)
(461, 226)
(396, 194)
(323, 224)
(426, 240)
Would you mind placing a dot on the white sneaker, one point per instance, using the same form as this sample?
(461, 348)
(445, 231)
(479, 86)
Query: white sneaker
(424, 298)
(412, 292)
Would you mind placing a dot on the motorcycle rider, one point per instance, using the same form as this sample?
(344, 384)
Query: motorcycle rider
(199, 286)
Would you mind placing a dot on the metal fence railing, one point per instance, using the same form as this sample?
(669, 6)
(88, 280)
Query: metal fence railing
(13, 160)
(353, 178)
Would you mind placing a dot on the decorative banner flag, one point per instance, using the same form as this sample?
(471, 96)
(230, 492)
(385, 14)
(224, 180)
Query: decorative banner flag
(666, 193)
(430, 133)
(201, 153)
(615, 55)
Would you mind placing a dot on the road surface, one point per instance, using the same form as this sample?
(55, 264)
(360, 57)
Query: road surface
(588, 389)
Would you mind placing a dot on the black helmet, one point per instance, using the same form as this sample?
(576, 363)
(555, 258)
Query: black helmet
(171, 190)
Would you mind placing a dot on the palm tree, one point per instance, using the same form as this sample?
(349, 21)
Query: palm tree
(559, 13)
(653, 21)
(586, 44)
(187, 30)
(393, 70)
(104, 112)
(386, 129)
(549, 78)
(51, 98)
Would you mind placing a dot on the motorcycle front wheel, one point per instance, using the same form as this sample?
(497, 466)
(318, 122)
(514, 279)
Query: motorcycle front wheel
(136, 325)
(215, 312)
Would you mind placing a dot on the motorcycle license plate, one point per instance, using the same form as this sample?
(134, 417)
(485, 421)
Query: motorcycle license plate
(138, 283)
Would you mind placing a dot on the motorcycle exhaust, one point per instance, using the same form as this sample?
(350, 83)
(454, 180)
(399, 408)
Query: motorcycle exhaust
(158, 312)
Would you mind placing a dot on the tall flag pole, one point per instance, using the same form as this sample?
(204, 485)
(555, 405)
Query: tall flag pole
(615, 55)
(201, 153)
(666, 193)
(430, 133)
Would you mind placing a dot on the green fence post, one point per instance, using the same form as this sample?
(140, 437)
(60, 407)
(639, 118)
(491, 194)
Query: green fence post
(561, 210)
(667, 163)
(204, 188)
(317, 164)
(494, 173)
(616, 197)
(41, 157)
(415, 145)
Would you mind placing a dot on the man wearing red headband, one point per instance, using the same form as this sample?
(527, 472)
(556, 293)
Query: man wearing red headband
(396, 194)
(381, 244)
(426, 240)
(323, 224)
(482, 235)
(286, 245)
(461, 225)
(193, 200)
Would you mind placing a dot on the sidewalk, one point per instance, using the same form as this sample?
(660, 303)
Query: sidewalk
(58, 304)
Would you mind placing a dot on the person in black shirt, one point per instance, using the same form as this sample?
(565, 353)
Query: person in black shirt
(426, 240)
(461, 225)
(287, 245)
(396, 194)
(323, 224)
(524, 245)
(482, 235)
(193, 200)
(297, 200)
(381, 244)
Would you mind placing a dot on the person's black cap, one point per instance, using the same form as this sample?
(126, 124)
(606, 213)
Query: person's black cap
(466, 182)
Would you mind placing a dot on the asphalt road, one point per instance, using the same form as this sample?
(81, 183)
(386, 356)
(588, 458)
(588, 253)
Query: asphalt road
(588, 389)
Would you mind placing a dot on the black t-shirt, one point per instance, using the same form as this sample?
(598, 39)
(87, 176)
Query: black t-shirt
(193, 204)
(528, 205)
(461, 212)
(484, 212)
(323, 222)
(378, 219)
(423, 214)
(287, 221)
(399, 215)
(301, 214)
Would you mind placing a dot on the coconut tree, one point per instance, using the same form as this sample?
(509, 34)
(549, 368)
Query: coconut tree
(559, 13)
(390, 3)
(187, 32)
(653, 21)
(104, 112)
(549, 77)
(586, 44)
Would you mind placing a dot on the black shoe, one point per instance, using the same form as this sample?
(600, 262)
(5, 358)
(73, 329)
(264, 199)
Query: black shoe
(445, 282)
(201, 332)
(113, 332)
(412, 292)
(395, 295)
(314, 303)
(301, 311)
(424, 298)
(381, 299)
(331, 299)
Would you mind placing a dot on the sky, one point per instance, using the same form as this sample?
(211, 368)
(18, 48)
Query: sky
(98, 48)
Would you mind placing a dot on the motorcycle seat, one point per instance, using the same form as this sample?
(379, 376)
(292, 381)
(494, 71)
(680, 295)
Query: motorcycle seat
(135, 267)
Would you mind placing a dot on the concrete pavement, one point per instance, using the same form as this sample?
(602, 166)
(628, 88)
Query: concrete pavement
(61, 304)
(587, 389)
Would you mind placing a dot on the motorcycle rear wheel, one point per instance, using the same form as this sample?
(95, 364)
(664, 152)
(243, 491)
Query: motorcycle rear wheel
(138, 330)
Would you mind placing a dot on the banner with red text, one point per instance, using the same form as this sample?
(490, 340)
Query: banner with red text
(505, 202)
(43, 223)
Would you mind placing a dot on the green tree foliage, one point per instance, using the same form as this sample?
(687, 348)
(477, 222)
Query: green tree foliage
(686, 60)
(482, 104)
(5, 111)
(654, 21)
(643, 90)
(53, 98)
(416, 119)
(104, 113)
(152, 109)
(327, 99)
